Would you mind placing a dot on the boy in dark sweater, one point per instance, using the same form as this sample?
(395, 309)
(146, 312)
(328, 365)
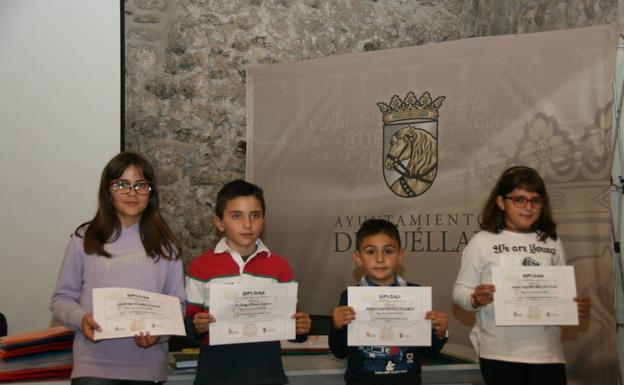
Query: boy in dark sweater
(378, 251)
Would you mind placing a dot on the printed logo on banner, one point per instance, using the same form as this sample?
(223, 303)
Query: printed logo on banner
(410, 143)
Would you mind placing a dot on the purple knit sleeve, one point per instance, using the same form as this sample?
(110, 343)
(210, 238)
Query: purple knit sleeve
(65, 303)
(174, 284)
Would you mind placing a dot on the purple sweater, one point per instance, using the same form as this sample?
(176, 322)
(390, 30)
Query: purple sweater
(129, 267)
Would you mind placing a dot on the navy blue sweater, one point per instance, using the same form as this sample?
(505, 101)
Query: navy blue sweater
(377, 365)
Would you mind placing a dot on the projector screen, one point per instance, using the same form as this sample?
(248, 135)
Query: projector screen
(61, 103)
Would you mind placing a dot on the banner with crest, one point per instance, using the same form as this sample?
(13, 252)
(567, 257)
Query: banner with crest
(418, 136)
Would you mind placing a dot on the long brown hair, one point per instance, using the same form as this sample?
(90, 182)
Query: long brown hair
(526, 178)
(158, 239)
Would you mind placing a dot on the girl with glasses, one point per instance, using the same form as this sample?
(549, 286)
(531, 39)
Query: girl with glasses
(126, 244)
(518, 230)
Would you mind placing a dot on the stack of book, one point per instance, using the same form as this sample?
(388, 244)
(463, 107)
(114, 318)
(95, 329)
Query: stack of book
(184, 361)
(43, 353)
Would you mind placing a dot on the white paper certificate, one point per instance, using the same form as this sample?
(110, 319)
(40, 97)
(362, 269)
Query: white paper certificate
(122, 312)
(256, 313)
(535, 295)
(389, 316)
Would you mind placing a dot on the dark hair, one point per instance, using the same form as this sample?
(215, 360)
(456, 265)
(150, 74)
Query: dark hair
(526, 178)
(158, 239)
(375, 226)
(237, 188)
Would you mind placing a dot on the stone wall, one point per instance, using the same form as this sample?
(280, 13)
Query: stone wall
(185, 71)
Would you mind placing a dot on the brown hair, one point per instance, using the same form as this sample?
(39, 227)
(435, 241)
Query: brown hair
(158, 239)
(526, 178)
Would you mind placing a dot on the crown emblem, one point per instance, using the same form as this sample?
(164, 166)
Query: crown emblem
(411, 107)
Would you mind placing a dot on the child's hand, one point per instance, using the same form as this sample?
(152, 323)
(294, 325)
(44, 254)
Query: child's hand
(439, 322)
(343, 315)
(482, 295)
(584, 306)
(303, 323)
(88, 326)
(202, 321)
(145, 340)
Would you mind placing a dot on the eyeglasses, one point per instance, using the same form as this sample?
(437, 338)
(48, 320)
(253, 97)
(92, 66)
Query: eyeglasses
(124, 187)
(521, 202)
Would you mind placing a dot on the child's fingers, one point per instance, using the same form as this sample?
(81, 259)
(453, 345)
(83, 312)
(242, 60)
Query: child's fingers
(201, 318)
(484, 294)
(436, 317)
(348, 315)
(433, 315)
(300, 314)
(202, 321)
(88, 325)
(347, 311)
(488, 286)
(92, 323)
(302, 318)
(145, 340)
(343, 315)
(439, 322)
(303, 323)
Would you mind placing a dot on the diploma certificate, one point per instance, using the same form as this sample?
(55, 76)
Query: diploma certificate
(245, 313)
(535, 295)
(122, 312)
(389, 316)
